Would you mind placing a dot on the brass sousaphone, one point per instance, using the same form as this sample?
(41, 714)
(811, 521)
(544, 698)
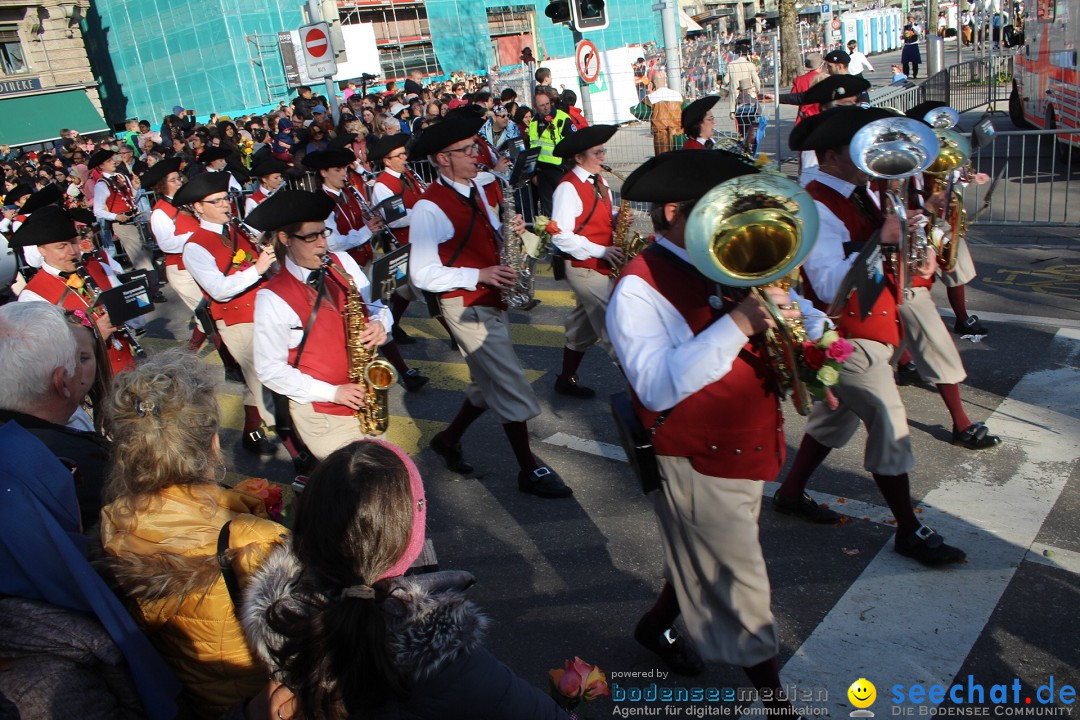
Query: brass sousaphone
(954, 154)
(752, 231)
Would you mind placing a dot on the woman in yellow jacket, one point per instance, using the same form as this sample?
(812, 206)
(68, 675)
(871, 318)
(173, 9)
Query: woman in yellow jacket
(162, 524)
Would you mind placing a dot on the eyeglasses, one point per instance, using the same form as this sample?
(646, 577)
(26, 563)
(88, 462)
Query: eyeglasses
(312, 237)
(467, 150)
(395, 156)
(216, 201)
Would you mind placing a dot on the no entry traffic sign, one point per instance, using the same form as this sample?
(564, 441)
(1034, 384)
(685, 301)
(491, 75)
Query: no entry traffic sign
(318, 55)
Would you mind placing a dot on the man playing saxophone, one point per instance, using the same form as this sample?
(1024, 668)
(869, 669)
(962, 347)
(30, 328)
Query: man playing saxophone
(456, 244)
(300, 322)
(583, 210)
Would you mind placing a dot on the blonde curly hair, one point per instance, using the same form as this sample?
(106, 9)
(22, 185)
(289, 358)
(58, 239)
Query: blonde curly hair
(165, 418)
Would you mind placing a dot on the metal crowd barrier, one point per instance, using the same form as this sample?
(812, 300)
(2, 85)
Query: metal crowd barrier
(963, 86)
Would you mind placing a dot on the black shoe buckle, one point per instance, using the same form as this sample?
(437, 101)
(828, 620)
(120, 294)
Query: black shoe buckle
(542, 471)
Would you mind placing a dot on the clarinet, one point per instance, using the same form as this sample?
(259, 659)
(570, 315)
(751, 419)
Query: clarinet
(123, 331)
(365, 207)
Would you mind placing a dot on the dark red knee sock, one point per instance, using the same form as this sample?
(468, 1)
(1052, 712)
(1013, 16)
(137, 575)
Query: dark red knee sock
(518, 435)
(951, 395)
(457, 427)
(905, 358)
(392, 353)
(811, 454)
(226, 357)
(896, 489)
(442, 321)
(666, 608)
(292, 444)
(398, 305)
(198, 337)
(571, 361)
(958, 302)
(252, 419)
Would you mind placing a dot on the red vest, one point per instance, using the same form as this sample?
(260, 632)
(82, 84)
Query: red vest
(56, 291)
(883, 322)
(182, 222)
(481, 248)
(692, 144)
(734, 427)
(258, 196)
(594, 222)
(120, 194)
(241, 308)
(349, 216)
(409, 194)
(325, 357)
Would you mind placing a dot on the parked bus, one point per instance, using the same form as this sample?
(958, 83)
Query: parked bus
(1046, 91)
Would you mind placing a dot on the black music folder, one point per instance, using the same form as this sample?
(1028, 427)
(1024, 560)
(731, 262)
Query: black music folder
(126, 302)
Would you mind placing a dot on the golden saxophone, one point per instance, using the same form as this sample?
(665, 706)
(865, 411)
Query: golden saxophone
(519, 295)
(631, 245)
(365, 367)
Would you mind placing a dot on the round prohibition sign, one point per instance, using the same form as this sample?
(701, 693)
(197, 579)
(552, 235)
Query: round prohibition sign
(316, 43)
(588, 61)
(835, 24)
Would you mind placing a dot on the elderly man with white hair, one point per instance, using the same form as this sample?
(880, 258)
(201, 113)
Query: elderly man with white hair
(47, 366)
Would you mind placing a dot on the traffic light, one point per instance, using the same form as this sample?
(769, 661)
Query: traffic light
(558, 11)
(331, 15)
(589, 14)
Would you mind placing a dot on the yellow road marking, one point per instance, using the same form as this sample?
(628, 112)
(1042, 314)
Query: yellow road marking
(520, 333)
(455, 376)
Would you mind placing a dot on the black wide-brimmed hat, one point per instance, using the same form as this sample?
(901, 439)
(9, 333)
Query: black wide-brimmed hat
(214, 152)
(682, 175)
(327, 159)
(835, 87)
(694, 113)
(48, 225)
(583, 139)
(833, 128)
(202, 186)
(289, 207)
(45, 196)
(388, 144)
(269, 167)
(21, 190)
(445, 133)
(159, 171)
(98, 157)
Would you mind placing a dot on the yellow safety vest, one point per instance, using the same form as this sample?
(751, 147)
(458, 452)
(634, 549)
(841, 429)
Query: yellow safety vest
(548, 139)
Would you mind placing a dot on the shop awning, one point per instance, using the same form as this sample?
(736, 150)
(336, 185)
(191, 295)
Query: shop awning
(31, 119)
(688, 22)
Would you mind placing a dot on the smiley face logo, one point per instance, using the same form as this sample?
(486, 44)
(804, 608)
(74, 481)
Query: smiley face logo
(862, 693)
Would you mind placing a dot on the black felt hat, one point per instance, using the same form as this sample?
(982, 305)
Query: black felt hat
(82, 216)
(682, 175)
(289, 207)
(269, 167)
(160, 170)
(835, 87)
(48, 225)
(98, 157)
(919, 111)
(388, 144)
(445, 133)
(838, 57)
(694, 113)
(833, 128)
(342, 141)
(202, 186)
(45, 196)
(583, 139)
(468, 112)
(326, 159)
(21, 190)
(214, 152)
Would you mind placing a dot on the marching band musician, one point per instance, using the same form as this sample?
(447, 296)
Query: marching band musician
(114, 200)
(300, 332)
(229, 270)
(867, 390)
(47, 195)
(456, 254)
(350, 227)
(583, 210)
(52, 230)
(699, 123)
(698, 371)
(270, 177)
(833, 91)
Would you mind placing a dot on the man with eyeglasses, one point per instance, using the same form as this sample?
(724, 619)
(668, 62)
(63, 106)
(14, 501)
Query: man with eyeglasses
(583, 210)
(299, 323)
(114, 201)
(229, 270)
(456, 257)
(351, 228)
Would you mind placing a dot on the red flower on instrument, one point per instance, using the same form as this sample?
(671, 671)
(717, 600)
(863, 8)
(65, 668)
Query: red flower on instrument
(813, 356)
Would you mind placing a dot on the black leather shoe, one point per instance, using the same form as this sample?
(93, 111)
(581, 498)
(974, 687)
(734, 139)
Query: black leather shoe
(976, 437)
(259, 443)
(400, 336)
(806, 509)
(907, 375)
(971, 326)
(413, 380)
(675, 650)
(304, 463)
(451, 454)
(160, 298)
(543, 482)
(928, 547)
(570, 387)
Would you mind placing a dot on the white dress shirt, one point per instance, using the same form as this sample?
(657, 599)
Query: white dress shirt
(278, 329)
(354, 238)
(566, 207)
(234, 184)
(202, 266)
(663, 360)
(110, 271)
(430, 229)
(101, 195)
(164, 229)
(827, 263)
(859, 64)
(250, 203)
(380, 192)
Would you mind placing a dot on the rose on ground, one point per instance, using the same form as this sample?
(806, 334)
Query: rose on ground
(577, 681)
(840, 350)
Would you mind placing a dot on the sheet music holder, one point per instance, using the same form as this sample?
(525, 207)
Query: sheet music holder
(151, 278)
(524, 166)
(126, 302)
(388, 272)
(865, 276)
(392, 208)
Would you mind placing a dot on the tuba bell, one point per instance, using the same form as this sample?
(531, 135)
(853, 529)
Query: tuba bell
(897, 148)
(753, 231)
(955, 153)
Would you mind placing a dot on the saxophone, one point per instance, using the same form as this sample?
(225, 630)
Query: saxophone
(518, 296)
(375, 374)
(631, 245)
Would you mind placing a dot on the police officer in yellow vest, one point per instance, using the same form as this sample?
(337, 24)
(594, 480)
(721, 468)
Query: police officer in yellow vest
(548, 128)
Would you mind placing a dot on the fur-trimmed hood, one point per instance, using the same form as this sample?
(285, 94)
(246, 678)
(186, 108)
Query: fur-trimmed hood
(428, 619)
